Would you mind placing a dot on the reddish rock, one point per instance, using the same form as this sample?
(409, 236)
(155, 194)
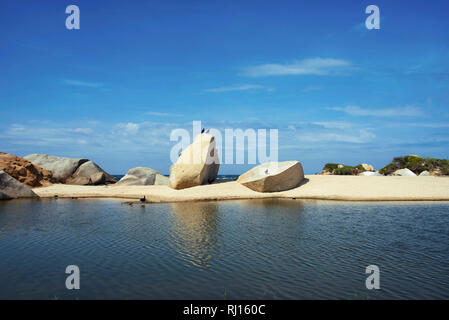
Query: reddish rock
(24, 171)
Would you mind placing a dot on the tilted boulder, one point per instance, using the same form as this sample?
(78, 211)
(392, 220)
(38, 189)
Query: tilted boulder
(141, 176)
(198, 164)
(273, 176)
(24, 171)
(62, 168)
(90, 173)
(11, 188)
(404, 173)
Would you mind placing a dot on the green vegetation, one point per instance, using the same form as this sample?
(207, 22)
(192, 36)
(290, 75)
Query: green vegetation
(418, 165)
(345, 170)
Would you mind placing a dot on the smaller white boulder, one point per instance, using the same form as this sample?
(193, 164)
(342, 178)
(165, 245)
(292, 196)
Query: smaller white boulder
(404, 173)
(370, 174)
(425, 173)
(142, 176)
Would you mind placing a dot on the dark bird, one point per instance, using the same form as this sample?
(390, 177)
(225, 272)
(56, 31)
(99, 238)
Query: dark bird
(142, 199)
(207, 131)
(266, 171)
(202, 131)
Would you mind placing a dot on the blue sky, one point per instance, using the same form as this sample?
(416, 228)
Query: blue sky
(113, 90)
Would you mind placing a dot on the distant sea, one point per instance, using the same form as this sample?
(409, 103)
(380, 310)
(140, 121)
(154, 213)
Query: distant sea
(220, 177)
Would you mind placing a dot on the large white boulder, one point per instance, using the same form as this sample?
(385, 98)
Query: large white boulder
(141, 176)
(12, 188)
(404, 173)
(198, 164)
(370, 174)
(273, 176)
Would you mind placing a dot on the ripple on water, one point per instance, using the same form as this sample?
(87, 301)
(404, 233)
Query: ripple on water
(248, 249)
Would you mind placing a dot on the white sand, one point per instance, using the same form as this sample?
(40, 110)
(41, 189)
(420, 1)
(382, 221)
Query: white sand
(351, 188)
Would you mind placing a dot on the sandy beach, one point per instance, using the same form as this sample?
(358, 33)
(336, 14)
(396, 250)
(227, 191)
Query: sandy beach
(326, 187)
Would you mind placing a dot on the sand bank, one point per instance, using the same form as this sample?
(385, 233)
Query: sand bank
(350, 188)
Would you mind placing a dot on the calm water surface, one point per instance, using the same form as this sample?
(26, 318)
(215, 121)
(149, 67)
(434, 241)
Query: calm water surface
(258, 249)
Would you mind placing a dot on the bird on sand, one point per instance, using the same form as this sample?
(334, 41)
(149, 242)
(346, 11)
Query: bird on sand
(142, 199)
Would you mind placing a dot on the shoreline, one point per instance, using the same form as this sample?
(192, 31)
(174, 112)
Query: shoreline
(314, 187)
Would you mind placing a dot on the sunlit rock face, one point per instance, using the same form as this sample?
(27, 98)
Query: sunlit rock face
(198, 164)
(273, 176)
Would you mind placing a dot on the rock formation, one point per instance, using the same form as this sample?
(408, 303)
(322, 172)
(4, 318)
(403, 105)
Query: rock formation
(72, 171)
(142, 176)
(24, 171)
(436, 167)
(198, 164)
(11, 188)
(90, 174)
(273, 176)
(368, 167)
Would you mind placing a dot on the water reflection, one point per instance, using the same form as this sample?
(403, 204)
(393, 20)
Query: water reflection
(194, 231)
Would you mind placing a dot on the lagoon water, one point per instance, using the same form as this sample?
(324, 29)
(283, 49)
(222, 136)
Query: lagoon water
(255, 249)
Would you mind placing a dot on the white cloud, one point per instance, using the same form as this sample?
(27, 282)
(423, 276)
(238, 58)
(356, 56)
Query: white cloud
(83, 130)
(333, 124)
(363, 136)
(240, 87)
(128, 128)
(314, 66)
(407, 111)
(78, 83)
(418, 124)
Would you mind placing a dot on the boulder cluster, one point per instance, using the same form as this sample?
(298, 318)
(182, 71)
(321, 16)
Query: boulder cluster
(416, 165)
(197, 165)
(407, 166)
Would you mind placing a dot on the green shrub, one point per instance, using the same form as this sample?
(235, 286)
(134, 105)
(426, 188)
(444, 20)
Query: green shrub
(346, 170)
(417, 165)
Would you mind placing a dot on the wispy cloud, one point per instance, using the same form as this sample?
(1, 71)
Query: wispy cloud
(128, 128)
(78, 83)
(362, 136)
(240, 87)
(407, 111)
(333, 124)
(314, 66)
(163, 114)
(418, 124)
